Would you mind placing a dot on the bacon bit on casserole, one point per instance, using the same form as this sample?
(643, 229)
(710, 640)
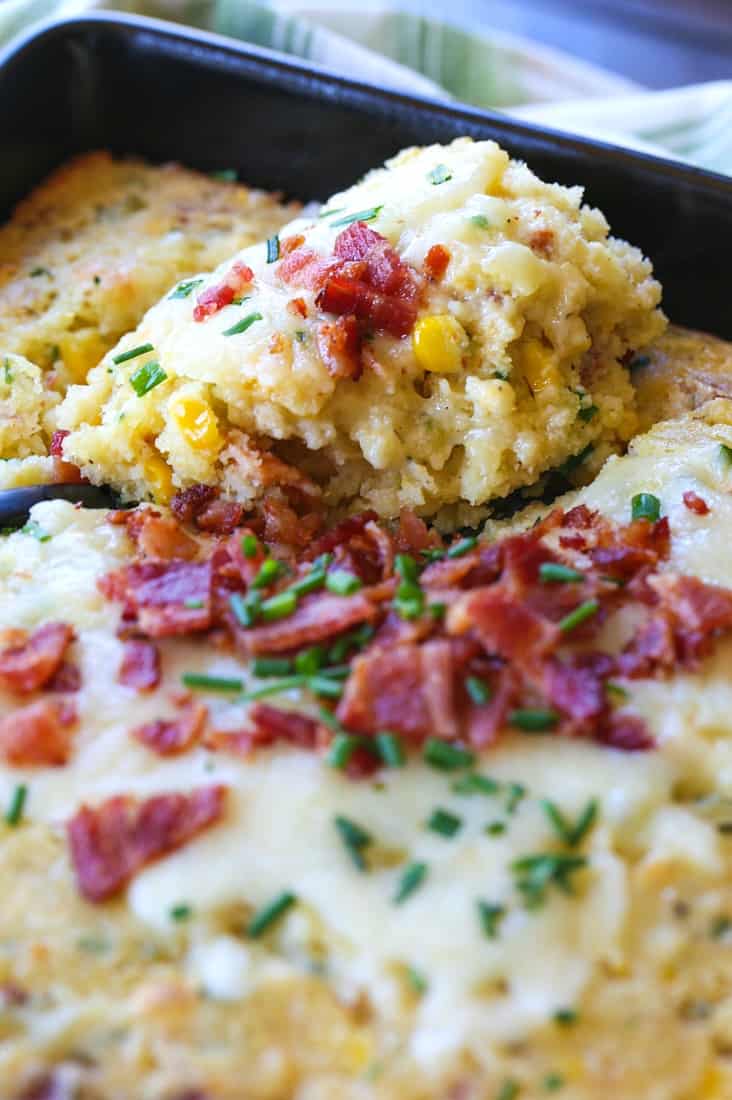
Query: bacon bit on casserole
(542, 241)
(298, 307)
(63, 472)
(155, 535)
(140, 667)
(111, 842)
(339, 346)
(168, 737)
(167, 598)
(266, 726)
(38, 735)
(436, 262)
(66, 679)
(289, 244)
(695, 503)
(29, 665)
(318, 618)
(214, 298)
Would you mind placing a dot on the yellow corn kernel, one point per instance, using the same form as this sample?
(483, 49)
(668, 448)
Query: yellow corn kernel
(439, 343)
(196, 422)
(80, 352)
(540, 368)
(712, 1085)
(159, 478)
(358, 1051)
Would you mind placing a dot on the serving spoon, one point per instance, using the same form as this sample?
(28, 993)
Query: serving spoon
(15, 504)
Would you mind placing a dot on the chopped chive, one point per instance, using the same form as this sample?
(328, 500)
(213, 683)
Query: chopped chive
(495, 828)
(445, 756)
(553, 1082)
(406, 567)
(477, 689)
(269, 914)
(269, 571)
(720, 927)
(480, 220)
(509, 1090)
(198, 682)
(310, 661)
(329, 719)
(225, 175)
(516, 793)
(533, 719)
(409, 600)
(279, 606)
(147, 377)
(192, 603)
(355, 839)
(588, 412)
(273, 249)
(571, 833)
(181, 913)
(133, 353)
(39, 271)
(580, 615)
(534, 874)
(276, 687)
(14, 813)
(391, 749)
(552, 572)
(432, 554)
(325, 687)
(342, 749)
(246, 609)
(329, 213)
(263, 667)
(249, 546)
(443, 822)
(462, 547)
(311, 582)
(645, 506)
(185, 288)
(360, 216)
(342, 582)
(7, 372)
(476, 784)
(439, 174)
(417, 981)
(35, 531)
(574, 461)
(355, 639)
(437, 610)
(490, 917)
(566, 1017)
(617, 690)
(410, 881)
(725, 454)
(243, 324)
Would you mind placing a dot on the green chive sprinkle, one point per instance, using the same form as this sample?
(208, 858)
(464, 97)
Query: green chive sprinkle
(225, 175)
(481, 221)
(263, 667)
(566, 1017)
(198, 682)
(243, 325)
(534, 875)
(580, 615)
(645, 506)
(533, 719)
(355, 639)
(410, 881)
(571, 833)
(309, 661)
(39, 271)
(147, 377)
(265, 917)
(329, 719)
(445, 756)
(249, 546)
(35, 531)
(432, 554)
(273, 249)
(462, 547)
(477, 689)
(180, 913)
(355, 839)
(391, 749)
(276, 687)
(133, 353)
(720, 927)
(406, 567)
(185, 288)
(279, 606)
(409, 600)
(7, 372)
(551, 572)
(617, 691)
(476, 784)
(246, 609)
(14, 812)
(417, 981)
(342, 749)
(439, 174)
(437, 610)
(553, 1082)
(325, 687)
(329, 213)
(359, 216)
(443, 822)
(495, 828)
(193, 604)
(311, 582)
(509, 1090)
(516, 793)
(725, 453)
(269, 571)
(588, 413)
(342, 582)
(490, 917)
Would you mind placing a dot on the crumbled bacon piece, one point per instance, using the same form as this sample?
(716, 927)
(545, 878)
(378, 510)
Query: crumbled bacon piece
(542, 241)
(341, 533)
(318, 618)
(31, 664)
(158, 536)
(63, 472)
(215, 297)
(111, 842)
(188, 504)
(38, 735)
(695, 503)
(67, 678)
(56, 448)
(339, 345)
(221, 517)
(266, 726)
(289, 244)
(140, 667)
(168, 737)
(167, 598)
(298, 307)
(436, 262)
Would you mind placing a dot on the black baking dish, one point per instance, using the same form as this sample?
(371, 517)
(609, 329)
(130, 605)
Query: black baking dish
(134, 85)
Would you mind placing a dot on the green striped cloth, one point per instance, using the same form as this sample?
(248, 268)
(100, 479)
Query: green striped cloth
(488, 69)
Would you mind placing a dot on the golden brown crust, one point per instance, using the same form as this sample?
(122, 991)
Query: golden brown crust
(678, 373)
